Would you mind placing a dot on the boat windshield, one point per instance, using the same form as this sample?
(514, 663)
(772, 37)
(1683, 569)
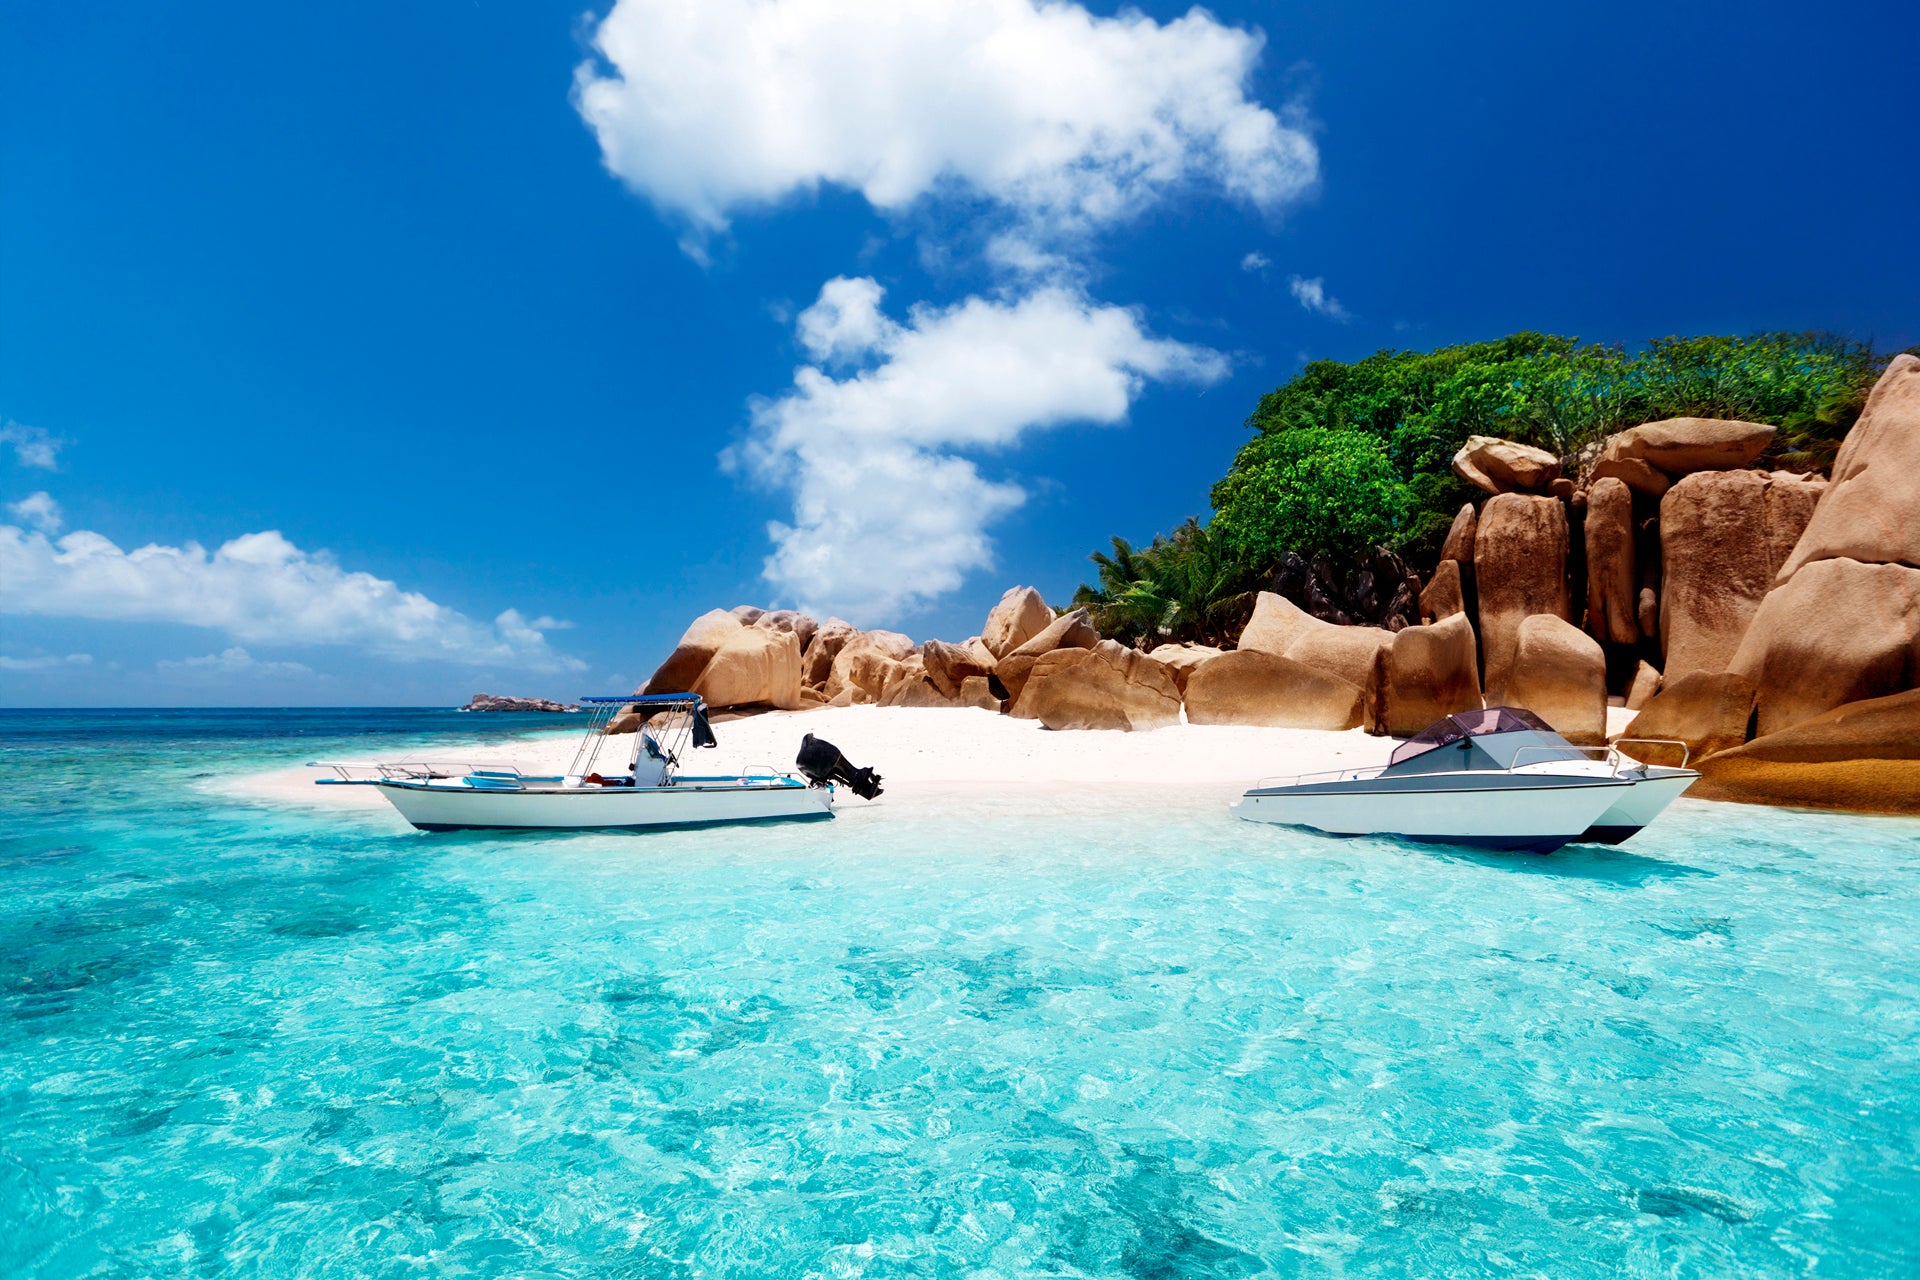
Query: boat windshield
(1468, 724)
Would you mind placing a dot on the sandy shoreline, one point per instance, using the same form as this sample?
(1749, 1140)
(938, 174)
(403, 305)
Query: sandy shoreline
(931, 750)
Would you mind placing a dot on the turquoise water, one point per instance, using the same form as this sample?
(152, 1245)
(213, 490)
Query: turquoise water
(940, 1037)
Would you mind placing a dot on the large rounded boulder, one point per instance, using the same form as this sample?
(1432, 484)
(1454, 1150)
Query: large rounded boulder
(1838, 631)
(731, 662)
(1559, 673)
(1431, 672)
(1019, 617)
(1714, 567)
(1520, 567)
(1612, 593)
(1682, 446)
(1068, 631)
(1105, 687)
(1862, 756)
(866, 665)
(1502, 466)
(1871, 510)
(1707, 710)
(1251, 687)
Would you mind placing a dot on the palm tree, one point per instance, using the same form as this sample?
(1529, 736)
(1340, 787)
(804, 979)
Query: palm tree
(1186, 586)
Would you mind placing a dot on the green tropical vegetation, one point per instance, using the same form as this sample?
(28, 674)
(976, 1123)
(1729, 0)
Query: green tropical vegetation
(1350, 456)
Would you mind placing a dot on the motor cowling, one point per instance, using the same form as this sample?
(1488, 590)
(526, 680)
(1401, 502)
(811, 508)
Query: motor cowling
(822, 762)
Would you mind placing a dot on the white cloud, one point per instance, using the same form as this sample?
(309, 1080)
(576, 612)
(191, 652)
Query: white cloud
(1063, 119)
(1255, 261)
(38, 510)
(32, 446)
(1312, 294)
(45, 662)
(886, 514)
(260, 589)
(231, 662)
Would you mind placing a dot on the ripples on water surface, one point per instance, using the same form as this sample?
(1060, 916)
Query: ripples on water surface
(945, 1037)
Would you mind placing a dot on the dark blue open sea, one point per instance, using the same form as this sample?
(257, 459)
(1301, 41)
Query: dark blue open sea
(1122, 1035)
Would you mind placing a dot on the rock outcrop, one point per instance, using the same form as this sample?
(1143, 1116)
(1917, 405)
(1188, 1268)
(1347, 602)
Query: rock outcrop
(951, 665)
(1791, 501)
(1838, 631)
(731, 662)
(1181, 659)
(1073, 630)
(1431, 671)
(1842, 622)
(701, 640)
(1252, 687)
(1019, 617)
(1862, 756)
(1724, 537)
(1612, 594)
(1108, 686)
(1503, 466)
(1520, 567)
(1708, 711)
(1282, 628)
(1444, 594)
(865, 666)
(1459, 543)
(1645, 683)
(1559, 673)
(1682, 446)
(1871, 510)
(1639, 476)
(1714, 568)
(489, 702)
(825, 646)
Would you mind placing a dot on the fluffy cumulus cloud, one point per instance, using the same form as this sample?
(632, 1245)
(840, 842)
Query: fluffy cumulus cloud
(38, 511)
(1312, 294)
(1064, 119)
(32, 446)
(260, 589)
(888, 512)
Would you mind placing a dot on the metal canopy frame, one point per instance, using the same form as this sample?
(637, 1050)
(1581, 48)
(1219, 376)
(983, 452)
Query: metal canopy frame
(676, 719)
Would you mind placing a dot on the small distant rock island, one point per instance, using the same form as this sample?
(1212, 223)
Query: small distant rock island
(489, 702)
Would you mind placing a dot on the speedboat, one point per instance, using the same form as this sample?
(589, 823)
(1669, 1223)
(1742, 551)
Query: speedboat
(1498, 779)
(651, 791)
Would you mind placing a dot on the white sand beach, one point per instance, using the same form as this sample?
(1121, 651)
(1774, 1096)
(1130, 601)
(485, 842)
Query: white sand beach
(930, 750)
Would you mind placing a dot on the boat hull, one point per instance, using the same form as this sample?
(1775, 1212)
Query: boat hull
(1644, 801)
(1536, 815)
(456, 808)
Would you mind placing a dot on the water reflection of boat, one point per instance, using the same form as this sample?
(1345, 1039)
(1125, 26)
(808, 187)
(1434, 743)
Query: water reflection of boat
(652, 791)
(1499, 778)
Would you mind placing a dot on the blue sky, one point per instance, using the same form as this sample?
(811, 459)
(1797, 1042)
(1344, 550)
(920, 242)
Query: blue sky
(473, 403)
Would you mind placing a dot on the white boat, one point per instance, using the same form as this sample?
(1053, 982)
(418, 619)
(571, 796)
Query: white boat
(651, 793)
(1499, 778)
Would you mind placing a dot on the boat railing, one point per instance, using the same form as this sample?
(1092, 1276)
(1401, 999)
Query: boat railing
(1686, 752)
(413, 771)
(752, 775)
(1324, 775)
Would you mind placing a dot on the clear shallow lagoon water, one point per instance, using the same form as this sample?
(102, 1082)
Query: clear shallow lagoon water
(955, 1037)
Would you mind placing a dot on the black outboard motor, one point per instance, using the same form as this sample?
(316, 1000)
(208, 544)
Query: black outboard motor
(822, 762)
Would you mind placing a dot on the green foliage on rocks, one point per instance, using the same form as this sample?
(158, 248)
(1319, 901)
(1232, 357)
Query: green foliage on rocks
(1346, 456)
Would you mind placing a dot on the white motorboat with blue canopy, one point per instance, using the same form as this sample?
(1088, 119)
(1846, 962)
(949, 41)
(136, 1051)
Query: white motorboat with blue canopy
(648, 790)
(1499, 778)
